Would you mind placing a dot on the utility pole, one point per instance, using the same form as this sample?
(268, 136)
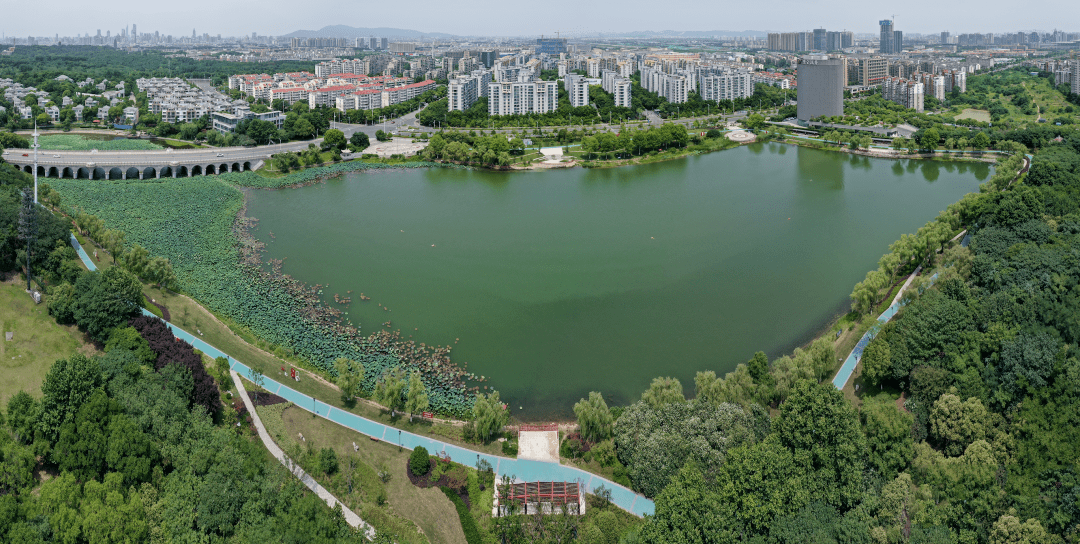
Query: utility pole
(35, 165)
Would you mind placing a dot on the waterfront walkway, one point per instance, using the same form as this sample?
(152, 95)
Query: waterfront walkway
(520, 469)
(844, 374)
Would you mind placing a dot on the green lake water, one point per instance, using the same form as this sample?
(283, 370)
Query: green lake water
(553, 284)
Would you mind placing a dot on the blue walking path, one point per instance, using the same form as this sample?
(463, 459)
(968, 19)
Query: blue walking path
(521, 469)
(844, 374)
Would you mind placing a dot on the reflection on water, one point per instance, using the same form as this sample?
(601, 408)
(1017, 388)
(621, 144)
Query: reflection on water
(931, 170)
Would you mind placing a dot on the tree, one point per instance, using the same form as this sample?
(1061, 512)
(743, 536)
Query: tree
(980, 141)
(821, 429)
(106, 299)
(754, 122)
(360, 141)
(416, 399)
(955, 424)
(22, 415)
(889, 445)
(1008, 530)
(67, 386)
(136, 260)
(159, 271)
(333, 138)
(303, 129)
(383, 136)
(876, 361)
(686, 512)
(419, 461)
(388, 391)
(930, 139)
(663, 391)
(257, 381)
(490, 415)
(594, 417)
(350, 374)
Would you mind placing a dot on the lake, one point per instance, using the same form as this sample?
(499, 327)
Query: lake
(556, 283)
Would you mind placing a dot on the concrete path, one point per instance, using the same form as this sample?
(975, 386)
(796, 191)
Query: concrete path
(350, 517)
(521, 469)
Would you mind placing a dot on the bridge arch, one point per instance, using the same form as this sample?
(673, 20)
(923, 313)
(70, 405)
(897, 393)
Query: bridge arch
(131, 173)
(41, 171)
(115, 173)
(209, 170)
(223, 168)
(247, 167)
(235, 167)
(196, 170)
(28, 169)
(182, 171)
(149, 172)
(99, 173)
(166, 171)
(83, 173)
(54, 172)
(67, 172)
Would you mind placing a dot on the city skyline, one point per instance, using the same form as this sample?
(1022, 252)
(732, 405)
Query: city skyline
(277, 18)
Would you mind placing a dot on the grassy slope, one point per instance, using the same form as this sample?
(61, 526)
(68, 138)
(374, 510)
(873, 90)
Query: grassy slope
(37, 344)
(427, 508)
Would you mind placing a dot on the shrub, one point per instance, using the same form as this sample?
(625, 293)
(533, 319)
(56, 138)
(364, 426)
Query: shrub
(328, 461)
(571, 448)
(419, 464)
(510, 447)
(468, 522)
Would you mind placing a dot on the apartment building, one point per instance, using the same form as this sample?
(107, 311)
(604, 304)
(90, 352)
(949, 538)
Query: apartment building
(905, 92)
(578, 89)
(726, 86)
(619, 87)
(674, 87)
(523, 97)
(464, 91)
(933, 85)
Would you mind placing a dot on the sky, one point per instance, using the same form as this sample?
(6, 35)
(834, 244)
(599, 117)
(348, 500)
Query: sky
(568, 17)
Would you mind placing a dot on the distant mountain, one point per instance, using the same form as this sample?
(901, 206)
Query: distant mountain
(345, 31)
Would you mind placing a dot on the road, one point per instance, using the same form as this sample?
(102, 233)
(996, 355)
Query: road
(76, 159)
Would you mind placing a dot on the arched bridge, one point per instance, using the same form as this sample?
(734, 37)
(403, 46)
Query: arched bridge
(166, 163)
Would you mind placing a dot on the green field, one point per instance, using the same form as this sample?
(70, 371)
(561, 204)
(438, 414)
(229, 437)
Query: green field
(37, 343)
(75, 142)
(976, 115)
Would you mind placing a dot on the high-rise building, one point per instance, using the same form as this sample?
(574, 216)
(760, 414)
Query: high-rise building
(550, 46)
(384, 44)
(897, 42)
(904, 92)
(578, 89)
(820, 87)
(134, 33)
(820, 43)
(1076, 77)
(373, 43)
(944, 37)
(487, 58)
(885, 46)
(523, 97)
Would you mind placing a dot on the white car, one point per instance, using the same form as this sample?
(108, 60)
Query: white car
(221, 154)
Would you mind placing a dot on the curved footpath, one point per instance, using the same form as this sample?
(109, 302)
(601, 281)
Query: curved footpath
(521, 469)
(350, 517)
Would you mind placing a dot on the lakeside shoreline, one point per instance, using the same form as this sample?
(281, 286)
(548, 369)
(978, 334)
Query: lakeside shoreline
(825, 327)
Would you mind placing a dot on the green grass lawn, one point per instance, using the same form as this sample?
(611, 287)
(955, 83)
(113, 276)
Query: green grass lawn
(976, 115)
(427, 508)
(38, 342)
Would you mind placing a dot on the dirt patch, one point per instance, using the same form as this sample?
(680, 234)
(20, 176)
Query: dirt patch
(266, 399)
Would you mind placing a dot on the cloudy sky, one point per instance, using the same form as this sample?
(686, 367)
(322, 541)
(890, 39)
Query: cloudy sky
(569, 17)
